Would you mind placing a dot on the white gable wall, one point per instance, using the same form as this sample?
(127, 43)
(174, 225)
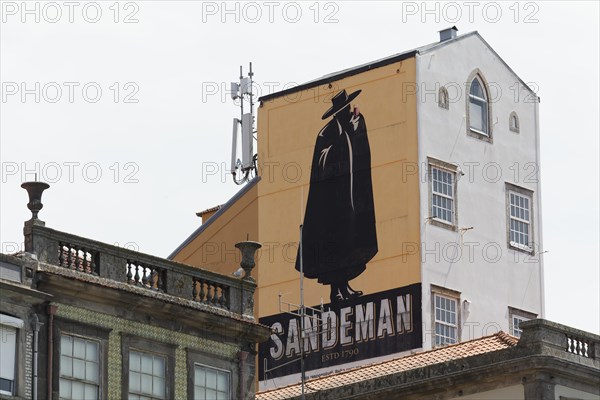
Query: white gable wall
(486, 271)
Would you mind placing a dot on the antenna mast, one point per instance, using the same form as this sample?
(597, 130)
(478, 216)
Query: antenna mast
(244, 168)
(299, 311)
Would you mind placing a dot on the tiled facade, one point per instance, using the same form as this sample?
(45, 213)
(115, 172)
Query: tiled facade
(114, 365)
(119, 326)
(28, 364)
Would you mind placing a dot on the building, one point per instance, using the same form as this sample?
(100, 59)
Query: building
(415, 180)
(82, 319)
(549, 362)
(20, 327)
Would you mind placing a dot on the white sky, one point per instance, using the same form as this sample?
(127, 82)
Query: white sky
(179, 52)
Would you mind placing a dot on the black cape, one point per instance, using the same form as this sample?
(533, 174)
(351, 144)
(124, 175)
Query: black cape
(339, 235)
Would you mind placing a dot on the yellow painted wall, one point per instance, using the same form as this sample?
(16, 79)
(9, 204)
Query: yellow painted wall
(272, 211)
(287, 130)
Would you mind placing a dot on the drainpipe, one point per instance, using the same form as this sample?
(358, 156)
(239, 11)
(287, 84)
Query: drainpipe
(51, 311)
(539, 207)
(36, 331)
(242, 355)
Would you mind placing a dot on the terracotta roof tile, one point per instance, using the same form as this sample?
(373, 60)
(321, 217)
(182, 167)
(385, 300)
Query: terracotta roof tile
(487, 344)
(209, 210)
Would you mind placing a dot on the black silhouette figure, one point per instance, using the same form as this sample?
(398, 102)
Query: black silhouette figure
(339, 235)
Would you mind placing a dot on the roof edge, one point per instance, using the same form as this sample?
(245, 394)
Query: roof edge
(341, 75)
(476, 33)
(509, 68)
(390, 60)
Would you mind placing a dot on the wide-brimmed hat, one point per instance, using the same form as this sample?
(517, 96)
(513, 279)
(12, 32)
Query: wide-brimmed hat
(340, 101)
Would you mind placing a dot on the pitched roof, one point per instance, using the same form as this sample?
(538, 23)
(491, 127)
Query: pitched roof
(217, 214)
(364, 67)
(386, 61)
(488, 344)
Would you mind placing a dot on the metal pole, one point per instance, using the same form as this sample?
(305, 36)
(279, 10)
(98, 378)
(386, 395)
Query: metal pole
(302, 312)
(241, 96)
(251, 74)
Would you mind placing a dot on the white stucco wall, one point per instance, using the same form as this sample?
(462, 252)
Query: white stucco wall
(486, 272)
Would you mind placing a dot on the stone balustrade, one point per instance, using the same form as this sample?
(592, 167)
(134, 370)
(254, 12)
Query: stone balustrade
(560, 341)
(141, 270)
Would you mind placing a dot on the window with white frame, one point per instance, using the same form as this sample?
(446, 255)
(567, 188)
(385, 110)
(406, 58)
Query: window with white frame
(147, 377)
(442, 194)
(211, 383)
(445, 319)
(519, 217)
(516, 321)
(79, 368)
(9, 327)
(478, 107)
(517, 316)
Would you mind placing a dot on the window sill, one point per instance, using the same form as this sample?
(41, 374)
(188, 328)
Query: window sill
(479, 135)
(520, 247)
(443, 224)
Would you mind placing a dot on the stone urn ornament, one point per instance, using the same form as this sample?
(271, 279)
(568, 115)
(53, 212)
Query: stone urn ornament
(248, 250)
(35, 190)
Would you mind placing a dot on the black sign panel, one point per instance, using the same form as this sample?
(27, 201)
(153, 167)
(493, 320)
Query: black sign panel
(364, 327)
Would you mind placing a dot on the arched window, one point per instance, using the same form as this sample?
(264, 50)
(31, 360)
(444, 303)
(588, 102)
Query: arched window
(513, 122)
(478, 107)
(443, 98)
